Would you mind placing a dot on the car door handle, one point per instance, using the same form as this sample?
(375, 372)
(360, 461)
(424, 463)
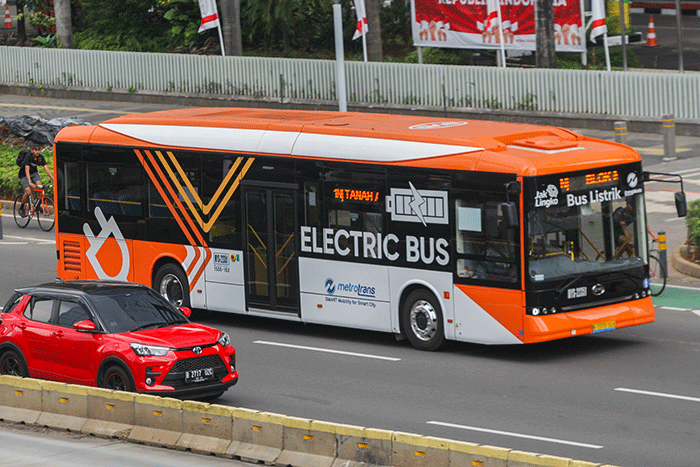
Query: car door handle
(58, 333)
(22, 326)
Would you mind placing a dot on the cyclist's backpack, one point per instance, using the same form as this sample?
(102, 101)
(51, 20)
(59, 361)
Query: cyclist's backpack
(20, 157)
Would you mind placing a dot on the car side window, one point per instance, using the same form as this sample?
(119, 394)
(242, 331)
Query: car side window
(39, 310)
(70, 313)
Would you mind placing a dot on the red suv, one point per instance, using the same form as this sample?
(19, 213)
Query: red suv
(114, 335)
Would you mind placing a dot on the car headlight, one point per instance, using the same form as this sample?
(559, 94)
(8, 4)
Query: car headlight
(224, 340)
(149, 350)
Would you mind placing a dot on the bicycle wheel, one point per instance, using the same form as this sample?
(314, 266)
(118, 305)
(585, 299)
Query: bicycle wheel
(21, 220)
(45, 214)
(657, 276)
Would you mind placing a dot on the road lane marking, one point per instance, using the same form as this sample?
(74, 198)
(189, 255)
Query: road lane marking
(659, 394)
(517, 435)
(319, 349)
(27, 240)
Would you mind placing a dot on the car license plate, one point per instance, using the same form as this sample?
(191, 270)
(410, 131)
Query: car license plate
(603, 326)
(197, 376)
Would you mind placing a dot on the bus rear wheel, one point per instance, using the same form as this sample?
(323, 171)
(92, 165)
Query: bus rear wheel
(421, 318)
(170, 281)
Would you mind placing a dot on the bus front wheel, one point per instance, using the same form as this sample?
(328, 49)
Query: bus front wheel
(170, 281)
(421, 318)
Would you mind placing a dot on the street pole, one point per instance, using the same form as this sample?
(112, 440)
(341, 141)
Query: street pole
(623, 35)
(339, 56)
(680, 42)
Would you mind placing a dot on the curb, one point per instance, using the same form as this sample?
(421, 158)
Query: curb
(683, 265)
(242, 434)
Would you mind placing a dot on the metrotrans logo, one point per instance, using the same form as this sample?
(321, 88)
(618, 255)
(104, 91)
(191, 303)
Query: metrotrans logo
(349, 287)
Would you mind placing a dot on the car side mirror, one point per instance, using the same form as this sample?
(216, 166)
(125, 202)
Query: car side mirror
(84, 326)
(681, 206)
(186, 311)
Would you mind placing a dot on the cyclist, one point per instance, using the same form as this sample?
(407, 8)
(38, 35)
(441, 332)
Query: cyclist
(29, 175)
(622, 218)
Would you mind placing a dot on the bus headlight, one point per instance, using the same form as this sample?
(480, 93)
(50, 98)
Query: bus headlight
(535, 312)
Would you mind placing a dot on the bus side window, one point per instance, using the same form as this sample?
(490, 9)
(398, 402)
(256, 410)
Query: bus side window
(484, 243)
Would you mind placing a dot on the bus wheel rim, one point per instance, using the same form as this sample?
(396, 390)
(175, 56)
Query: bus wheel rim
(423, 320)
(171, 289)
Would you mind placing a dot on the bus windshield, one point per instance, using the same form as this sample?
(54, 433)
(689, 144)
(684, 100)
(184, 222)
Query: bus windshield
(585, 231)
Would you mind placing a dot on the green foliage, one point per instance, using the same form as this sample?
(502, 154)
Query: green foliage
(129, 25)
(184, 18)
(10, 186)
(396, 23)
(51, 41)
(435, 56)
(38, 20)
(292, 26)
(692, 220)
(596, 59)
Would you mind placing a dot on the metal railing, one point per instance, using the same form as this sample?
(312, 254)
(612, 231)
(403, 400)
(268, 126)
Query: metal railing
(630, 94)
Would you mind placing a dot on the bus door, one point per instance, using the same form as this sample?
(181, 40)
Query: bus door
(272, 281)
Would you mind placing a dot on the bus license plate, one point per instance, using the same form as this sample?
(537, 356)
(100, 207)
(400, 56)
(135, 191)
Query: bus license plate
(197, 376)
(603, 326)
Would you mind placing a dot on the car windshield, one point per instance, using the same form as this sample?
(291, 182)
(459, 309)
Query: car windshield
(129, 310)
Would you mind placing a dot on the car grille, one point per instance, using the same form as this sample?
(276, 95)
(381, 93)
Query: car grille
(197, 363)
(176, 375)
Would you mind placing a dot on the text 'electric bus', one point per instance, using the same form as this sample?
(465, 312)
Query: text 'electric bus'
(436, 229)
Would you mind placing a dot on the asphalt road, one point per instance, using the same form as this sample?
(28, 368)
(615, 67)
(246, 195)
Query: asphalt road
(665, 56)
(628, 397)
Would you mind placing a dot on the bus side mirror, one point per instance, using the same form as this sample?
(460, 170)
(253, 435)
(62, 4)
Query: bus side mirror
(510, 214)
(681, 206)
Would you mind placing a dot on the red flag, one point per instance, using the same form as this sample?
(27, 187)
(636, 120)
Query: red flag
(598, 26)
(362, 26)
(210, 17)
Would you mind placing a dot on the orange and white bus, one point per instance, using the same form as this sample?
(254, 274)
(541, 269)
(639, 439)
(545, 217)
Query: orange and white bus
(432, 229)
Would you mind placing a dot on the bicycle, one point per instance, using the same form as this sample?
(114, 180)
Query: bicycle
(38, 205)
(657, 272)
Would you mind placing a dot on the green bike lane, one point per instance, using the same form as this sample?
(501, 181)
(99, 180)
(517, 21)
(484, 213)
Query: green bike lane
(678, 297)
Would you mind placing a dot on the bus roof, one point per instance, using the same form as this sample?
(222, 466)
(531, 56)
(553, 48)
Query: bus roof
(418, 141)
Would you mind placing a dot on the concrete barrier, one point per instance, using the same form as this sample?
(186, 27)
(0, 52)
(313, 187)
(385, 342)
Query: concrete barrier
(307, 442)
(258, 436)
(206, 429)
(21, 399)
(249, 435)
(367, 446)
(63, 406)
(110, 413)
(157, 421)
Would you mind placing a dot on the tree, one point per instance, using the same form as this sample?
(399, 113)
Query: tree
(374, 36)
(544, 26)
(231, 24)
(64, 26)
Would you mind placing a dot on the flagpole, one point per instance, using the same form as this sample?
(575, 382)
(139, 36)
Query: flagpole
(364, 46)
(221, 40)
(500, 33)
(607, 51)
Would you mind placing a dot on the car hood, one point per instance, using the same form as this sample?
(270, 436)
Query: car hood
(177, 337)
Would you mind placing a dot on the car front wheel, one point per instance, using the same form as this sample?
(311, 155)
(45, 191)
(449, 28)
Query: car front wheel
(117, 378)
